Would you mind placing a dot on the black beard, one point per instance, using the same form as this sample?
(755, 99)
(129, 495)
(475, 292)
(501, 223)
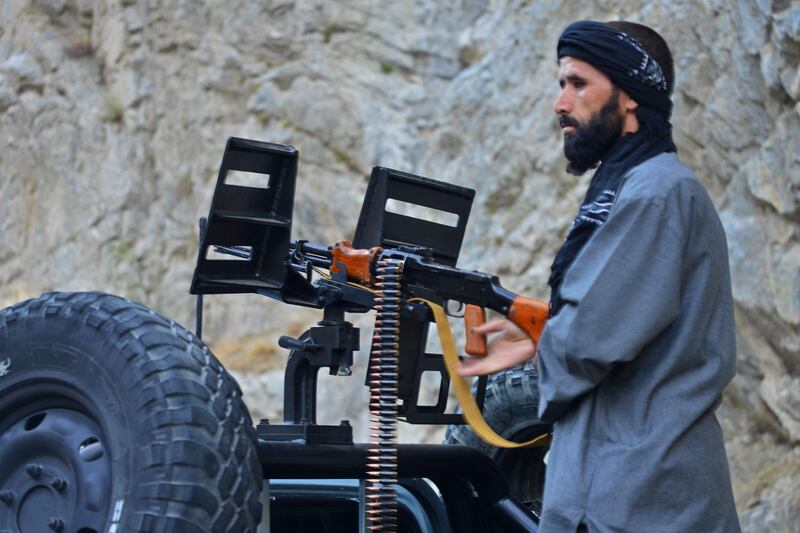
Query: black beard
(589, 144)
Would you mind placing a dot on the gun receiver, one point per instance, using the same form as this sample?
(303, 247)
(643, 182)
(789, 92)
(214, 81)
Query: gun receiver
(425, 278)
(247, 248)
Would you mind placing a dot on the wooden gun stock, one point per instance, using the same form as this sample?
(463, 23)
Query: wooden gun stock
(530, 315)
(475, 315)
(357, 262)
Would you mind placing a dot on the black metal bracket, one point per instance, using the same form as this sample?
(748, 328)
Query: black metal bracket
(330, 345)
(420, 229)
(251, 210)
(198, 327)
(459, 472)
(415, 361)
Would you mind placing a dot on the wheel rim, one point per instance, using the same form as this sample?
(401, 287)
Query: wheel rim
(55, 465)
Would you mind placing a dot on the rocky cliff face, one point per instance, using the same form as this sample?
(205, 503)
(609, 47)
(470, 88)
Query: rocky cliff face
(113, 117)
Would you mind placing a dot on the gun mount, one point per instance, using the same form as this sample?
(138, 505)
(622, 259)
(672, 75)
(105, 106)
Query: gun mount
(247, 248)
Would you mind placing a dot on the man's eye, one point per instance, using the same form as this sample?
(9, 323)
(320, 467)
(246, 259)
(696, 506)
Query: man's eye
(579, 84)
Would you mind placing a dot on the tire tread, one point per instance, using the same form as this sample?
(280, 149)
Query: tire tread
(182, 393)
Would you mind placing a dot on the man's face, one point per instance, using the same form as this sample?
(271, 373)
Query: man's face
(590, 114)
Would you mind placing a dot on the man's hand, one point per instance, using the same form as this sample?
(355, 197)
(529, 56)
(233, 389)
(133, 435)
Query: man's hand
(511, 348)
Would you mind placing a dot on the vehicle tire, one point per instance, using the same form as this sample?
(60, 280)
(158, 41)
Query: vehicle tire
(510, 408)
(114, 418)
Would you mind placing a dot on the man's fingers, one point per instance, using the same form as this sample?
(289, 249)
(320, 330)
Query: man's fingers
(492, 326)
(482, 367)
(511, 356)
(475, 367)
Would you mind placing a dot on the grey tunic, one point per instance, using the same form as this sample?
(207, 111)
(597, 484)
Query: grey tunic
(633, 366)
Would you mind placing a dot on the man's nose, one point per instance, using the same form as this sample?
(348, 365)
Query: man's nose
(562, 105)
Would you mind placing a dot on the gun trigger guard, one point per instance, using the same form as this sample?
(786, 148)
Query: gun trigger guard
(458, 312)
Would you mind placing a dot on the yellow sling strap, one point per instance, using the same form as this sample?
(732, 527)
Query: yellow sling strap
(462, 388)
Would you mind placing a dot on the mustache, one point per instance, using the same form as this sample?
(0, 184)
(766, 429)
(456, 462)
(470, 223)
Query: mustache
(565, 120)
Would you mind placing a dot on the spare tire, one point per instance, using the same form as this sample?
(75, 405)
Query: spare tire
(510, 408)
(114, 418)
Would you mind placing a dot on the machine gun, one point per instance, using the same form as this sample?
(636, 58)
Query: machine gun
(400, 264)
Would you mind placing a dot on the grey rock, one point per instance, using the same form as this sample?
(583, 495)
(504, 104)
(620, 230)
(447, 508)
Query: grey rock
(22, 72)
(52, 7)
(786, 24)
(774, 176)
(8, 96)
(790, 78)
(771, 65)
(753, 19)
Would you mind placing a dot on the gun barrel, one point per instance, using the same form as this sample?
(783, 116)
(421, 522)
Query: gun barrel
(236, 251)
(316, 254)
(311, 248)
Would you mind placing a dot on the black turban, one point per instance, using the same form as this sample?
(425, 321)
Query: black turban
(622, 58)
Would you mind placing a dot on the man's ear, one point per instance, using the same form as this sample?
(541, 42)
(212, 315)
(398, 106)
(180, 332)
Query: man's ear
(628, 103)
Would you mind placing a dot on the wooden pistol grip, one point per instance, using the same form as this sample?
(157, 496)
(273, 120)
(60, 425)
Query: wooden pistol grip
(530, 315)
(358, 262)
(475, 315)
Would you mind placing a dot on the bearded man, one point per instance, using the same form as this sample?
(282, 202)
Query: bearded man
(640, 342)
